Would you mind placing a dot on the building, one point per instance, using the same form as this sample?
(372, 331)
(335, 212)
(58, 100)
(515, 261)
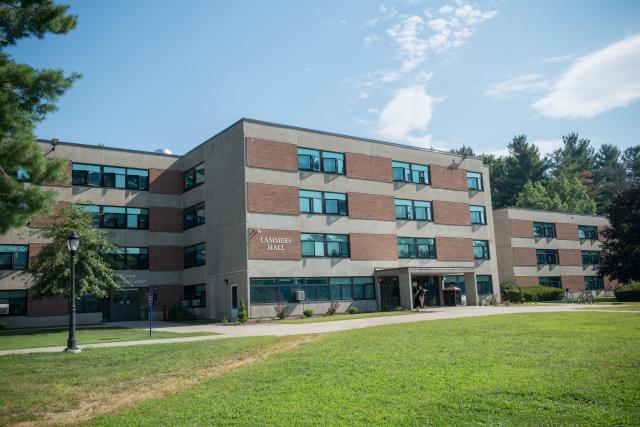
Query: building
(536, 247)
(261, 212)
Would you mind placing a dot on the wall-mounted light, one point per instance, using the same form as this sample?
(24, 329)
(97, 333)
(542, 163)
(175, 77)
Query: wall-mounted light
(54, 142)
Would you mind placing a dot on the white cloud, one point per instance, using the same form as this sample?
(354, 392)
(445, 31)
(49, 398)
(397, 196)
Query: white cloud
(557, 59)
(371, 38)
(390, 76)
(409, 111)
(596, 83)
(527, 83)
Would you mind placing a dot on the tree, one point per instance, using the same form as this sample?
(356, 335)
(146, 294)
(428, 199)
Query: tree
(631, 160)
(557, 194)
(576, 159)
(464, 151)
(621, 248)
(27, 95)
(242, 312)
(609, 175)
(50, 270)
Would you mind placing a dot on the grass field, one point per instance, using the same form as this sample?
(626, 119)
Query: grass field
(626, 306)
(58, 337)
(335, 317)
(534, 369)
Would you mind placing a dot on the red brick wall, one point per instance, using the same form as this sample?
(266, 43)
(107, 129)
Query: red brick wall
(371, 168)
(47, 219)
(46, 307)
(521, 228)
(448, 178)
(570, 257)
(275, 244)
(267, 198)
(524, 257)
(34, 250)
(168, 295)
(165, 258)
(451, 213)
(371, 206)
(272, 155)
(165, 181)
(454, 249)
(527, 280)
(566, 231)
(369, 247)
(165, 220)
(574, 283)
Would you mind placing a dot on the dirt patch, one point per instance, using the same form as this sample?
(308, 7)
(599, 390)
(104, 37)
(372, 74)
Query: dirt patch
(98, 403)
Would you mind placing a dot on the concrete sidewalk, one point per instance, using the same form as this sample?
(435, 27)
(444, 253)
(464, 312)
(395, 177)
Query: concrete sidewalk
(282, 329)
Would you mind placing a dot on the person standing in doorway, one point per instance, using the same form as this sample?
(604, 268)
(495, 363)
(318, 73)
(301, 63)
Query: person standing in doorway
(421, 296)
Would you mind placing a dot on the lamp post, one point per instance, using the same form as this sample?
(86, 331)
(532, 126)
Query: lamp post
(73, 242)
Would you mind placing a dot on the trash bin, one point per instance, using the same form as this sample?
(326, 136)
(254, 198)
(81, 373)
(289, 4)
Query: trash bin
(452, 296)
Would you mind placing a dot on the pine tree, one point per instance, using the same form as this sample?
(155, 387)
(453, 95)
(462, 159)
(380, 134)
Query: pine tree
(242, 312)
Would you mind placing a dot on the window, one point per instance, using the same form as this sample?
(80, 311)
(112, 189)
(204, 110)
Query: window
(320, 161)
(544, 229)
(410, 247)
(194, 255)
(554, 282)
(193, 177)
(481, 249)
(484, 284)
(193, 216)
(17, 301)
(590, 258)
(409, 172)
(593, 283)
(325, 245)
(474, 181)
(14, 257)
(88, 304)
(478, 214)
(195, 295)
(110, 176)
(457, 281)
(274, 290)
(318, 202)
(128, 258)
(118, 217)
(547, 256)
(413, 209)
(587, 232)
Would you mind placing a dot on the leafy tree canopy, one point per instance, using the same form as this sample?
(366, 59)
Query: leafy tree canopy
(575, 159)
(465, 151)
(557, 194)
(631, 160)
(621, 249)
(609, 175)
(27, 94)
(50, 270)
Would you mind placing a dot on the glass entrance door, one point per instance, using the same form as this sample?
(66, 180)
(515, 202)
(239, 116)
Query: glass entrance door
(234, 302)
(431, 287)
(389, 293)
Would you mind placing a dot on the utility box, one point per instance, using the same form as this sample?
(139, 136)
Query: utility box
(299, 296)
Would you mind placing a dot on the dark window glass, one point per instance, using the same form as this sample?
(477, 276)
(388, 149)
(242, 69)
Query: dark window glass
(590, 258)
(193, 216)
(410, 172)
(478, 214)
(481, 249)
(547, 256)
(195, 295)
(193, 177)
(474, 181)
(544, 229)
(321, 245)
(110, 177)
(15, 301)
(14, 257)
(409, 247)
(316, 289)
(194, 255)
(320, 161)
(554, 282)
(593, 283)
(484, 284)
(587, 232)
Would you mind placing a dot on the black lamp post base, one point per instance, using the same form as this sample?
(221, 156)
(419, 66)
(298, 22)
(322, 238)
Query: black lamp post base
(72, 350)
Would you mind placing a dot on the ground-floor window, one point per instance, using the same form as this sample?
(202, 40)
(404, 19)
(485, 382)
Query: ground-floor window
(554, 282)
(457, 281)
(273, 290)
(195, 295)
(485, 284)
(88, 304)
(13, 303)
(593, 283)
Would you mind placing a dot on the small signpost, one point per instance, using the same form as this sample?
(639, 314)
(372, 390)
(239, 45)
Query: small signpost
(150, 304)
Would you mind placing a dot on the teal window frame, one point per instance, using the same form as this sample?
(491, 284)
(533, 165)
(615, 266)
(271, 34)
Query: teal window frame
(552, 281)
(416, 248)
(593, 283)
(481, 249)
(547, 257)
(544, 229)
(317, 289)
(590, 258)
(331, 162)
(128, 258)
(322, 203)
(14, 257)
(478, 215)
(17, 300)
(410, 172)
(314, 245)
(484, 284)
(413, 210)
(118, 217)
(90, 175)
(474, 181)
(587, 232)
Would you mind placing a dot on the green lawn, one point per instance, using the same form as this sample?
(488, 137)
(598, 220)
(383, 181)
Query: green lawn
(335, 317)
(534, 369)
(58, 337)
(625, 306)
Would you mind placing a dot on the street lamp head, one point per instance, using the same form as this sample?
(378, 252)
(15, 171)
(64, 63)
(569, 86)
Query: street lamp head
(73, 241)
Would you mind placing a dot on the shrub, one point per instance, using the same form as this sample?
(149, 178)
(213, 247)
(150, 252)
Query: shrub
(308, 312)
(541, 293)
(630, 292)
(510, 292)
(242, 312)
(333, 307)
(179, 313)
(281, 311)
(353, 310)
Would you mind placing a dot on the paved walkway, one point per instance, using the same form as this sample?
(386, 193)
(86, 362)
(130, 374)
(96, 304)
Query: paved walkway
(282, 329)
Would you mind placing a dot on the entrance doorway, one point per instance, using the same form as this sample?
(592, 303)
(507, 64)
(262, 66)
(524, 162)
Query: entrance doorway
(431, 287)
(389, 293)
(127, 304)
(234, 302)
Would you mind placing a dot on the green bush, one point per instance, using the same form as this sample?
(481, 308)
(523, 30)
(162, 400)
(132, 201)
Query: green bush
(242, 312)
(281, 311)
(541, 293)
(333, 307)
(511, 292)
(308, 312)
(353, 310)
(179, 313)
(630, 292)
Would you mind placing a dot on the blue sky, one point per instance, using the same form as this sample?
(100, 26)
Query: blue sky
(429, 73)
